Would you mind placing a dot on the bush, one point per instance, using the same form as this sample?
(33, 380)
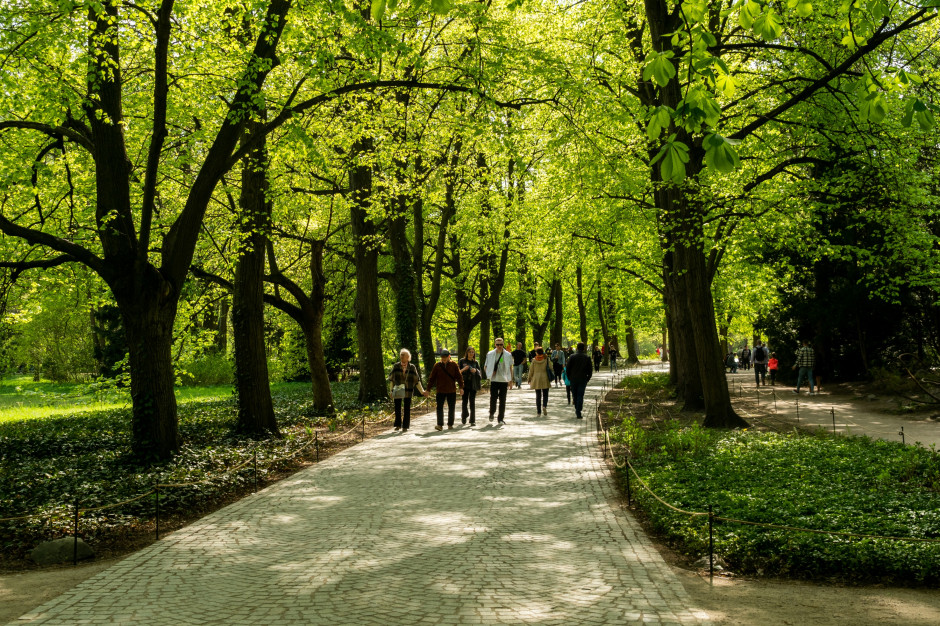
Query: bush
(209, 369)
(821, 482)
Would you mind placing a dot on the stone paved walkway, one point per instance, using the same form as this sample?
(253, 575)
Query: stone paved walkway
(512, 524)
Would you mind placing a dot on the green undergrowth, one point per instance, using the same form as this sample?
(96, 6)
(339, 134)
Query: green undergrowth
(855, 485)
(49, 463)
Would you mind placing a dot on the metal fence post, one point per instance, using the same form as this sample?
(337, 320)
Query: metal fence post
(629, 491)
(75, 536)
(363, 428)
(902, 436)
(316, 443)
(156, 506)
(711, 545)
(255, 463)
(797, 410)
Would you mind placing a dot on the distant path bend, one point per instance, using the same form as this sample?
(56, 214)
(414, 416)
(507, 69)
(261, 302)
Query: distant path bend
(516, 524)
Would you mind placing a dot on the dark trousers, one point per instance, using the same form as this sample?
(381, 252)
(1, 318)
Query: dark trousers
(451, 399)
(597, 366)
(469, 399)
(557, 367)
(403, 421)
(773, 377)
(577, 390)
(541, 398)
(498, 393)
(760, 373)
(568, 391)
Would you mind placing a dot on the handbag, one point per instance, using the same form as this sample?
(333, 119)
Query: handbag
(551, 374)
(564, 377)
(398, 391)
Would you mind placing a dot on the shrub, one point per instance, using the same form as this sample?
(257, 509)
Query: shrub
(209, 369)
(820, 482)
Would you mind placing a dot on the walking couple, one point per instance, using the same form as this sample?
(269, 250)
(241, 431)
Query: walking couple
(576, 373)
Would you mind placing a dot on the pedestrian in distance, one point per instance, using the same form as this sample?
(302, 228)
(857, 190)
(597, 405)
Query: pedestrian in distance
(446, 377)
(731, 362)
(578, 371)
(597, 356)
(518, 364)
(540, 376)
(558, 363)
(760, 356)
(498, 368)
(405, 380)
(745, 357)
(805, 361)
(772, 365)
(613, 358)
(472, 380)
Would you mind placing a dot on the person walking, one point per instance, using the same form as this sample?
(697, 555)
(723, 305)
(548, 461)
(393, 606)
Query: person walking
(760, 358)
(539, 380)
(772, 365)
(498, 368)
(518, 364)
(805, 361)
(445, 375)
(598, 356)
(731, 362)
(405, 380)
(558, 363)
(745, 358)
(470, 369)
(578, 371)
(613, 358)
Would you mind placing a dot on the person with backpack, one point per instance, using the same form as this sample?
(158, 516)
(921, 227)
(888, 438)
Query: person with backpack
(745, 358)
(405, 380)
(578, 372)
(446, 376)
(760, 357)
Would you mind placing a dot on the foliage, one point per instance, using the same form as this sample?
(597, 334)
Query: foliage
(48, 463)
(854, 485)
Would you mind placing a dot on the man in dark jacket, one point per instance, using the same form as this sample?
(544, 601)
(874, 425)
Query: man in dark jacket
(578, 370)
(446, 376)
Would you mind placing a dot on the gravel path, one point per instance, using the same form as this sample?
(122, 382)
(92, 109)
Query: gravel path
(495, 524)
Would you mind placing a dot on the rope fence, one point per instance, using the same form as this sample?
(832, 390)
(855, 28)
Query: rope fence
(604, 433)
(315, 441)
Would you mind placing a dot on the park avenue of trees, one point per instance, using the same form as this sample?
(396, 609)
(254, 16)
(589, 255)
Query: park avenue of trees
(298, 185)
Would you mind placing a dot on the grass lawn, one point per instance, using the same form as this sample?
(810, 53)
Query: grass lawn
(23, 398)
(803, 480)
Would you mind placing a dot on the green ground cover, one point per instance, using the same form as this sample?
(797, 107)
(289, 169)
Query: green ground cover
(816, 481)
(48, 462)
(23, 398)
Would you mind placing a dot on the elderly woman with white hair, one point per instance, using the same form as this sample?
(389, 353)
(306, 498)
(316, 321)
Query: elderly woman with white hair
(405, 379)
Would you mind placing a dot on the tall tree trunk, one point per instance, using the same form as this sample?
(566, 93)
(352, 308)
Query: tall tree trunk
(366, 254)
(582, 309)
(605, 330)
(630, 340)
(557, 334)
(149, 328)
(252, 385)
(314, 309)
(221, 332)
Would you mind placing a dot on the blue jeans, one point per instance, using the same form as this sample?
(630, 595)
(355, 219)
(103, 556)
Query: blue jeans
(517, 374)
(806, 372)
(577, 390)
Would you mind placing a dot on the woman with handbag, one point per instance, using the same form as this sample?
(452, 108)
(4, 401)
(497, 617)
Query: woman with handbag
(470, 369)
(540, 379)
(405, 379)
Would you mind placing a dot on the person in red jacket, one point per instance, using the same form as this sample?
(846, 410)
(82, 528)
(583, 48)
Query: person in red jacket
(772, 366)
(446, 377)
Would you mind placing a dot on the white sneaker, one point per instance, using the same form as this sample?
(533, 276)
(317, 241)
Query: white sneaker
(812, 393)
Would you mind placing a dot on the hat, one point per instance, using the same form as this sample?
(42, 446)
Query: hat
(445, 353)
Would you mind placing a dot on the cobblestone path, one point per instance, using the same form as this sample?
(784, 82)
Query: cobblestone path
(513, 524)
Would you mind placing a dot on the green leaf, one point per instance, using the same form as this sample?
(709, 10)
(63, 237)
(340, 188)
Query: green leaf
(659, 68)
(378, 9)
(726, 84)
(719, 155)
(925, 119)
(768, 26)
(675, 156)
(874, 107)
(441, 6)
(804, 9)
(659, 121)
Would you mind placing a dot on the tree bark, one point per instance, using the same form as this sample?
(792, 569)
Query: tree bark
(366, 254)
(582, 309)
(630, 340)
(252, 383)
(558, 319)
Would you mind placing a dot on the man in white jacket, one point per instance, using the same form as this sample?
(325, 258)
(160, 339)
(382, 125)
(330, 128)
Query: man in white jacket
(498, 368)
